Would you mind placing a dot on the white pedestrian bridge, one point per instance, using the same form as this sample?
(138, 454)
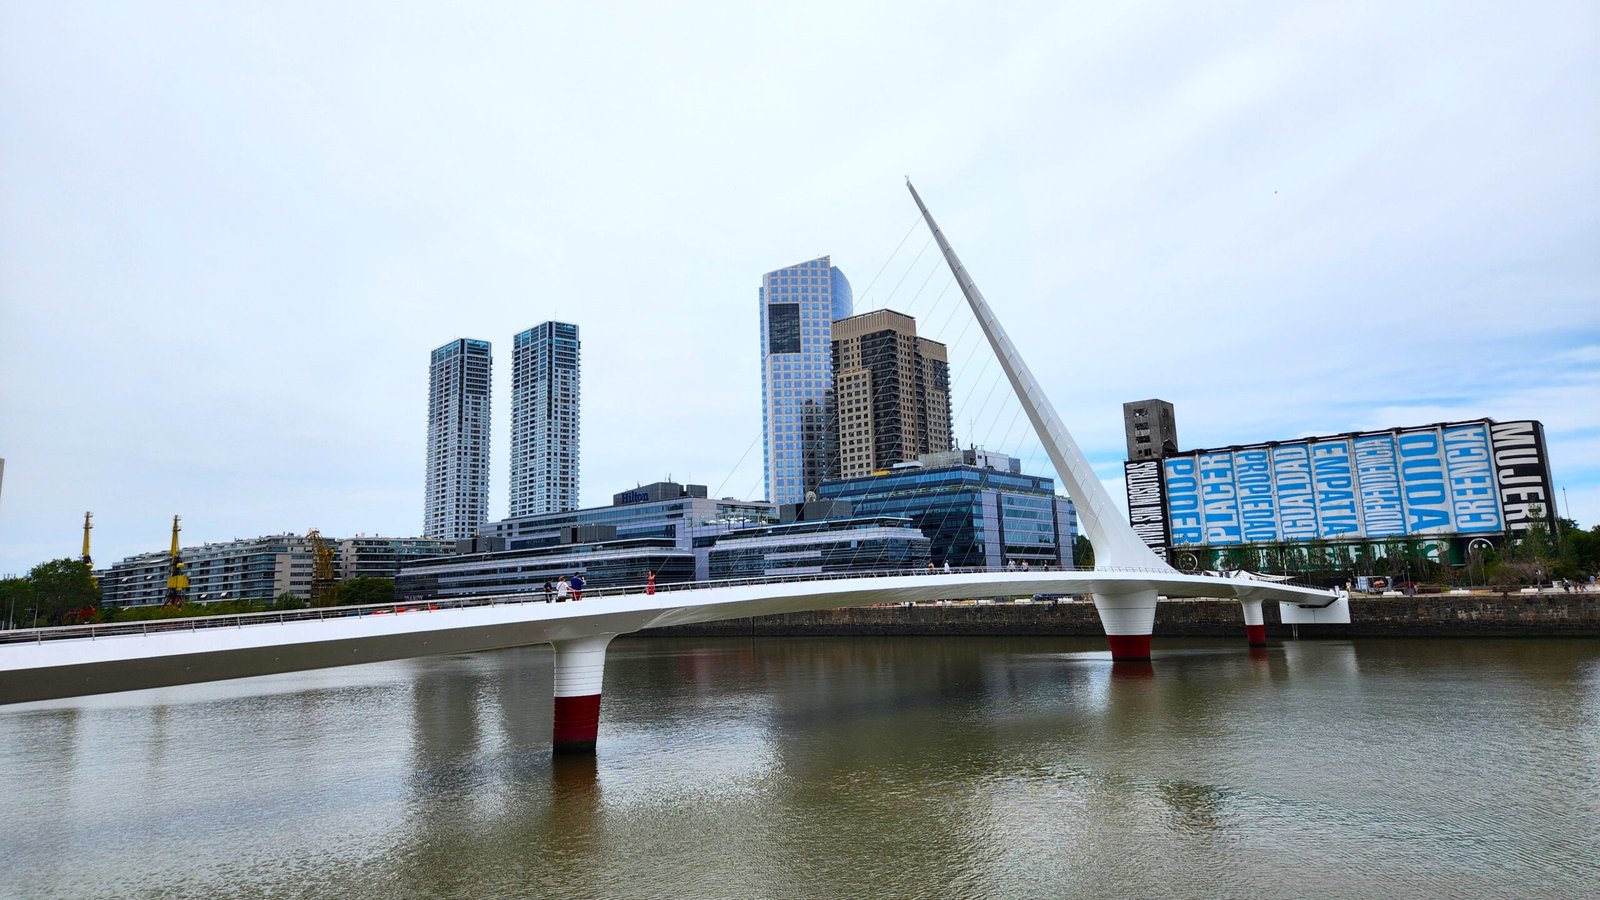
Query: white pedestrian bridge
(49, 663)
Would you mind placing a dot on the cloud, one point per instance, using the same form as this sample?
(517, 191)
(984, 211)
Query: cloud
(230, 237)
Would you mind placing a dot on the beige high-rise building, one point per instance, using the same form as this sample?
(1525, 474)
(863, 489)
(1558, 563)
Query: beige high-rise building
(891, 393)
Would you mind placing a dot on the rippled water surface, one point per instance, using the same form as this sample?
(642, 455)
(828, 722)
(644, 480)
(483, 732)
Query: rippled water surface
(850, 767)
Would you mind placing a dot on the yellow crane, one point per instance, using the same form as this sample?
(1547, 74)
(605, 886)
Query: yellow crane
(177, 582)
(88, 562)
(324, 587)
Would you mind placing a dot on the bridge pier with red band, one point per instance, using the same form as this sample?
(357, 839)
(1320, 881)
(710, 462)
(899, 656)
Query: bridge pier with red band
(580, 669)
(577, 724)
(1129, 647)
(1128, 618)
(1255, 625)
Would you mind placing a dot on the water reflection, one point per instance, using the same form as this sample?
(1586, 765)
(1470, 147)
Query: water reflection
(851, 767)
(1193, 807)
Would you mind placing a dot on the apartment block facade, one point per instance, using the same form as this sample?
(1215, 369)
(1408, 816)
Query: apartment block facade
(456, 494)
(545, 393)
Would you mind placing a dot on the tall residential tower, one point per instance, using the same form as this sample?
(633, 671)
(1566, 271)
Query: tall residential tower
(457, 491)
(544, 420)
(798, 306)
(891, 393)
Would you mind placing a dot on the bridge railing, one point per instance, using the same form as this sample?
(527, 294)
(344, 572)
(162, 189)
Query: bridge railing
(241, 620)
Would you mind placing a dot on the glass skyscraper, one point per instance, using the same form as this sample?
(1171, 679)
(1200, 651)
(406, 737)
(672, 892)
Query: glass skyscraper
(457, 492)
(544, 420)
(798, 306)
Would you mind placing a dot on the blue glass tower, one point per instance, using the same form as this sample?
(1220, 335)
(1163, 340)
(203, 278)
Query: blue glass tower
(798, 306)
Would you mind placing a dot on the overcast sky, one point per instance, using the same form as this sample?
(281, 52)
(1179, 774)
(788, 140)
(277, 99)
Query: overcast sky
(230, 234)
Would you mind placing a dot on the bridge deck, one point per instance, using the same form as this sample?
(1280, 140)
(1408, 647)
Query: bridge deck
(54, 663)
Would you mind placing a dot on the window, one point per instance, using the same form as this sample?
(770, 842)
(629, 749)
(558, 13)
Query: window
(783, 327)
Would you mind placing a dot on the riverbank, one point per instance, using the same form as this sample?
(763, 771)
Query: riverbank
(1480, 615)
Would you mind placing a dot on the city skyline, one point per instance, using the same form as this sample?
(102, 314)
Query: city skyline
(225, 246)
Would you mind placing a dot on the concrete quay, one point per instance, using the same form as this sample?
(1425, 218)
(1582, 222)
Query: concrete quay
(1548, 614)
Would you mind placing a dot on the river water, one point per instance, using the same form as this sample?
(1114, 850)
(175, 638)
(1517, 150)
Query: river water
(834, 768)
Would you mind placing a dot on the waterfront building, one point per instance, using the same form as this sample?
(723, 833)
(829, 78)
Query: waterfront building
(259, 568)
(891, 395)
(1441, 491)
(597, 553)
(457, 491)
(682, 514)
(1151, 428)
(674, 530)
(545, 381)
(798, 306)
(381, 557)
(821, 547)
(976, 508)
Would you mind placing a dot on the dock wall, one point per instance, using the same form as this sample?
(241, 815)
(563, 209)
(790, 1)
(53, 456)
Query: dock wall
(1483, 615)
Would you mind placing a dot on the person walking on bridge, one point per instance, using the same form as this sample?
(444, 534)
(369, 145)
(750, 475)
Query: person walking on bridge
(577, 586)
(563, 588)
(549, 591)
(650, 581)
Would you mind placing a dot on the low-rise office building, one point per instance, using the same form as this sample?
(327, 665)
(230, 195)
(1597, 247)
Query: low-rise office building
(381, 557)
(976, 508)
(596, 553)
(665, 528)
(681, 513)
(831, 541)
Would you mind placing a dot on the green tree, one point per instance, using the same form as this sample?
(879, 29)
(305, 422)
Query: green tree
(1582, 546)
(62, 587)
(364, 590)
(1510, 576)
(1365, 559)
(286, 601)
(16, 598)
(1082, 553)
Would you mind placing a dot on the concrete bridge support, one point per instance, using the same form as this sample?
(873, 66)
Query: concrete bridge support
(580, 667)
(1128, 619)
(1255, 625)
